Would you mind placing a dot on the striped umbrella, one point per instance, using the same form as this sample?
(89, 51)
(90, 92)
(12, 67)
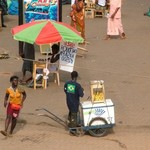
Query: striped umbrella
(45, 32)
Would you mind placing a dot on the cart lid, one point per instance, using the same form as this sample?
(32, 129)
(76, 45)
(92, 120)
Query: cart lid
(106, 103)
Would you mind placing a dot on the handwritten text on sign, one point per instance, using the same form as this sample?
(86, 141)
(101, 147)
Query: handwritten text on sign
(67, 56)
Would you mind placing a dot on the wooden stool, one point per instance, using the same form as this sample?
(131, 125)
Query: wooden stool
(89, 13)
(89, 3)
(98, 13)
(38, 65)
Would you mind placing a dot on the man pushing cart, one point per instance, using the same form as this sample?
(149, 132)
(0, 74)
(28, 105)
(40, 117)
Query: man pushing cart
(73, 92)
(95, 116)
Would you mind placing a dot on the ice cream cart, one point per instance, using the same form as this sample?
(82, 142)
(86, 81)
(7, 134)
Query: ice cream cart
(96, 118)
(96, 114)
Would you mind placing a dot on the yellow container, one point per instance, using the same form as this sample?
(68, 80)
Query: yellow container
(97, 91)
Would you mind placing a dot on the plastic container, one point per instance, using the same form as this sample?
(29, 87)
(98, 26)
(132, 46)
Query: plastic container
(97, 91)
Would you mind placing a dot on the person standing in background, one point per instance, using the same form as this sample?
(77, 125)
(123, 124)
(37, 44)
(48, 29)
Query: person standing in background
(28, 58)
(77, 17)
(114, 24)
(3, 9)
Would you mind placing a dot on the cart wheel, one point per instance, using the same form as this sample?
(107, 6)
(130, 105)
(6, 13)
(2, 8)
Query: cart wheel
(100, 131)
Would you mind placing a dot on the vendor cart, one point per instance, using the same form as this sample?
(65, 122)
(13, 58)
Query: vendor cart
(96, 119)
(96, 115)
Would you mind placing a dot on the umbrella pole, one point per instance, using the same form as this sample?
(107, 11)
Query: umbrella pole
(20, 22)
(47, 71)
(59, 11)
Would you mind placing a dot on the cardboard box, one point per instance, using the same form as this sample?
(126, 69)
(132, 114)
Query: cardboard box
(104, 110)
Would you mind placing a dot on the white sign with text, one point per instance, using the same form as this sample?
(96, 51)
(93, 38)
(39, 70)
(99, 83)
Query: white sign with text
(68, 53)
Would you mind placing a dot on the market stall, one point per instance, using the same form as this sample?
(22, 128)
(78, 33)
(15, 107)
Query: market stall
(49, 32)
